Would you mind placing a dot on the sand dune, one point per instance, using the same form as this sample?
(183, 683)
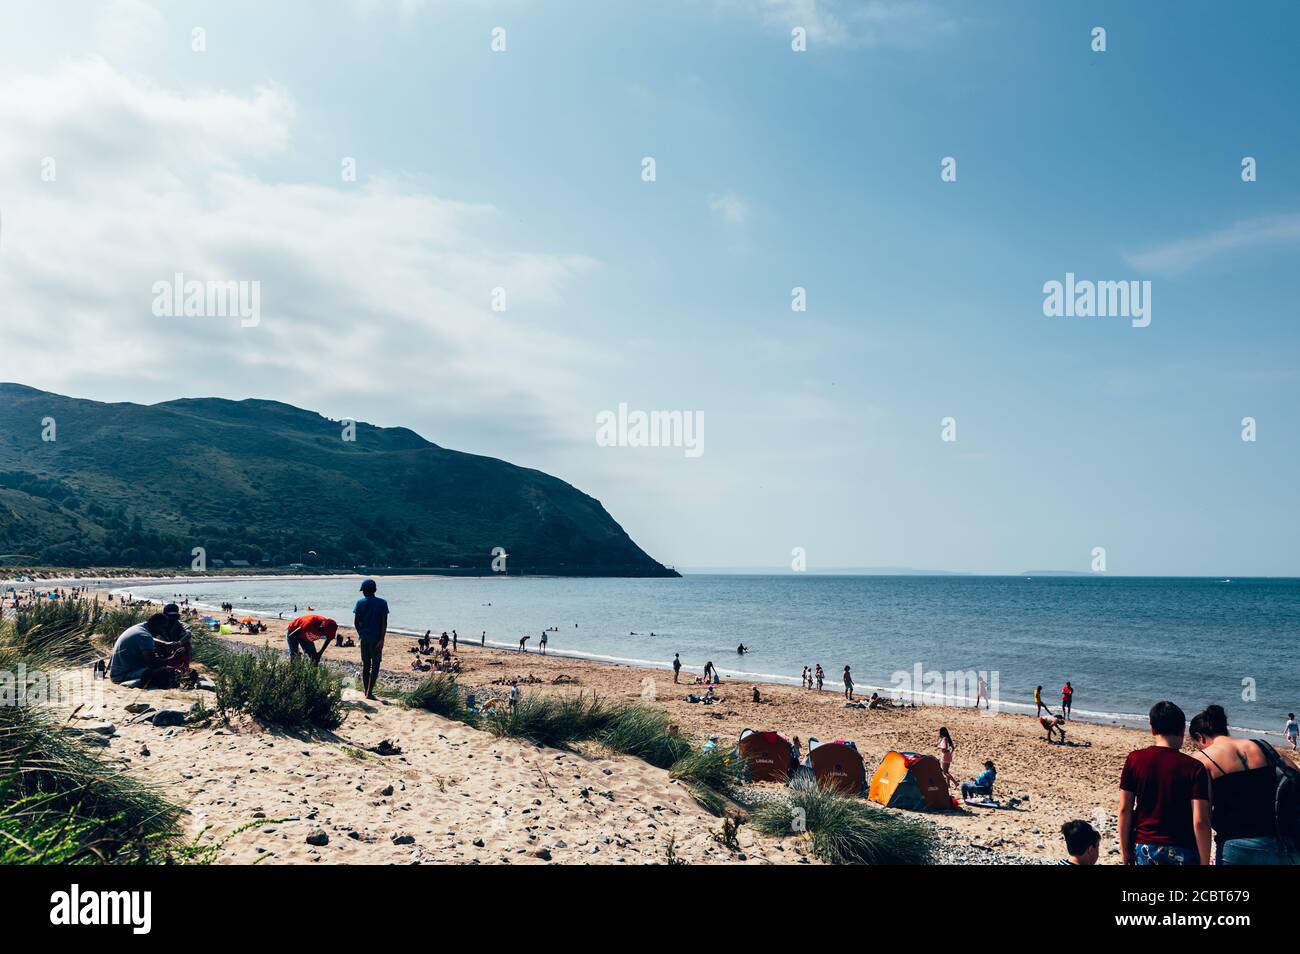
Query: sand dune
(454, 795)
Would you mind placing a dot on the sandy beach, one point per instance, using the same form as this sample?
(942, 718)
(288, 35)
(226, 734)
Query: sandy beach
(275, 775)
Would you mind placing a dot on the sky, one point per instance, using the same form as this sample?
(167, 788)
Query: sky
(516, 176)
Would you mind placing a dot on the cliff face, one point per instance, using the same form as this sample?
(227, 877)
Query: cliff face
(128, 484)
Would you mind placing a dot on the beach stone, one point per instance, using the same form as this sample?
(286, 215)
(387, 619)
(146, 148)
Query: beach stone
(168, 717)
(478, 842)
(386, 791)
(544, 853)
(403, 839)
(135, 708)
(317, 837)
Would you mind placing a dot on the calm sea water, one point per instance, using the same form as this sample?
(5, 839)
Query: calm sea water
(1123, 642)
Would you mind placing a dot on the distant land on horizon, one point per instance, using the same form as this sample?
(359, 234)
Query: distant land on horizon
(909, 571)
(260, 483)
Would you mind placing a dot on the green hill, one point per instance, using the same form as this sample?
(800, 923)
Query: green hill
(271, 484)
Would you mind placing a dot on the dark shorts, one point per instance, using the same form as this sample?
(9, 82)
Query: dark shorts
(372, 648)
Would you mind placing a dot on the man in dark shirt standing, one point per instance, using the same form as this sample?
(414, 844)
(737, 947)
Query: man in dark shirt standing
(370, 618)
(1164, 799)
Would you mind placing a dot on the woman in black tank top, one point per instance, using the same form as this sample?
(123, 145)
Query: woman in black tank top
(1243, 786)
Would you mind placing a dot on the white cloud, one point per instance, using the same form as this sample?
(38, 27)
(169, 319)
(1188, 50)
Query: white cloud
(851, 22)
(1181, 255)
(368, 288)
(730, 207)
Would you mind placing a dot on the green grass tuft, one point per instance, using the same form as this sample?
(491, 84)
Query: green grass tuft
(844, 830)
(292, 693)
(439, 693)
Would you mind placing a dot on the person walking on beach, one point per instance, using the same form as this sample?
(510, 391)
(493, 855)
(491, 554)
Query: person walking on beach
(1039, 703)
(1243, 794)
(981, 689)
(303, 633)
(370, 619)
(805, 679)
(677, 666)
(1164, 803)
(821, 677)
(1291, 730)
(1067, 697)
(946, 749)
(848, 684)
(542, 642)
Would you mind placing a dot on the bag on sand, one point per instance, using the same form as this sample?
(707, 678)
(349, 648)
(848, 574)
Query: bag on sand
(1286, 804)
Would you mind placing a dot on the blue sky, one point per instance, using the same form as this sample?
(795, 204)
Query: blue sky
(775, 169)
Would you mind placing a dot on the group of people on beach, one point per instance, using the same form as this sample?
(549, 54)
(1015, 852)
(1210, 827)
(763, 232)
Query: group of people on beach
(439, 658)
(154, 654)
(1173, 804)
(369, 619)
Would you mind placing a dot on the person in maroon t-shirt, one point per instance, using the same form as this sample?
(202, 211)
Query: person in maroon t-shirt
(1164, 799)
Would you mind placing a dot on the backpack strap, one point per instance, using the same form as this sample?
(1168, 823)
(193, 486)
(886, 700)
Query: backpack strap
(1269, 752)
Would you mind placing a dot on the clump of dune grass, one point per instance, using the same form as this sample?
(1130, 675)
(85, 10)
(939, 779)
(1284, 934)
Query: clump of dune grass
(118, 619)
(61, 803)
(640, 731)
(843, 829)
(441, 694)
(644, 733)
(292, 693)
(711, 776)
(207, 649)
(55, 630)
(558, 721)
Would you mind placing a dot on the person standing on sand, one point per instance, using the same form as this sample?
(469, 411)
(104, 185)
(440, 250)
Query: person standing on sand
(1164, 798)
(1243, 794)
(1291, 730)
(522, 643)
(946, 748)
(542, 642)
(677, 666)
(710, 674)
(821, 677)
(482, 640)
(848, 684)
(981, 689)
(454, 641)
(1041, 705)
(804, 680)
(514, 693)
(370, 619)
(1067, 697)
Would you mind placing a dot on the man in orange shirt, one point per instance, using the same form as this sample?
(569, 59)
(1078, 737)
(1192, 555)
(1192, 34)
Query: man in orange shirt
(305, 630)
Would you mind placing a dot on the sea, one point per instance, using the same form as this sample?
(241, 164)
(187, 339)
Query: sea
(1123, 643)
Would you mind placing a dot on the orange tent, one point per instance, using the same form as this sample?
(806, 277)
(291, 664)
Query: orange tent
(837, 765)
(768, 755)
(911, 781)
